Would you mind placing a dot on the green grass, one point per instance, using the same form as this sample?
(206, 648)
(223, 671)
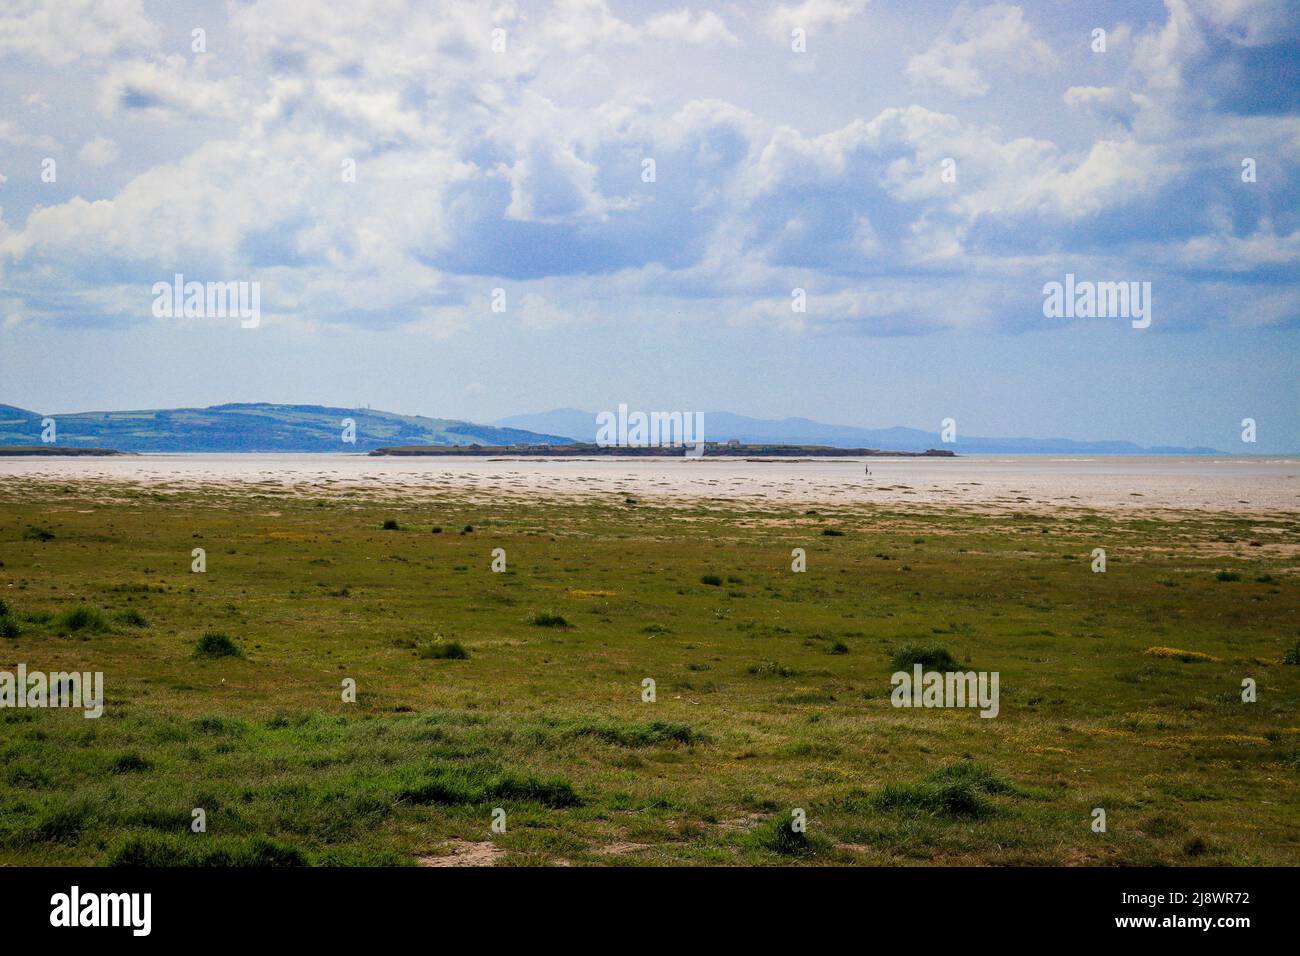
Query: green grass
(132, 618)
(442, 650)
(214, 644)
(931, 657)
(548, 619)
(82, 619)
(779, 836)
(955, 790)
(757, 709)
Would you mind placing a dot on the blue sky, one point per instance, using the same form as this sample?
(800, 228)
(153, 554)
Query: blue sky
(522, 170)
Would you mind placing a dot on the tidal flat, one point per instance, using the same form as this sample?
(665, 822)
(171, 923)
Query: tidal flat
(225, 690)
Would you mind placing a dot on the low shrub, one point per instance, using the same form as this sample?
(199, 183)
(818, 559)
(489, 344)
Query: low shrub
(214, 644)
(931, 657)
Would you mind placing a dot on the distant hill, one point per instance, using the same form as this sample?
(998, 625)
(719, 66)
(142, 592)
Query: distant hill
(254, 427)
(262, 427)
(722, 426)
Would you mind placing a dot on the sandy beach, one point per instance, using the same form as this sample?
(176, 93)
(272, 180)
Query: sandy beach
(1135, 485)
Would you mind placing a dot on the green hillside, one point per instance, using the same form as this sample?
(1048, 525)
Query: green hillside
(255, 427)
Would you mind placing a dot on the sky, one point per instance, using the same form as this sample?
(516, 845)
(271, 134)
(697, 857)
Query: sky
(473, 210)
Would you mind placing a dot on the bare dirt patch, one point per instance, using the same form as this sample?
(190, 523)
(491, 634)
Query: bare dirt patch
(622, 849)
(465, 853)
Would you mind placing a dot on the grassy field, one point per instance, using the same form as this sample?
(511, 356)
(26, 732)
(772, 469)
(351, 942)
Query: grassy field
(772, 687)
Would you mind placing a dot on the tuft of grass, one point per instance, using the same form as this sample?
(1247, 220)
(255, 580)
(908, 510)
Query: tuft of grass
(37, 533)
(9, 627)
(214, 644)
(1292, 656)
(622, 734)
(548, 619)
(441, 650)
(132, 618)
(166, 850)
(712, 580)
(436, 529)
(390, 524)
(933, 657)
(779, 836)
(62, 824)
(1177, 653)
(837, 647)
(953, 791)
(130, 763)
(771, 669)
(832, 532)
(976, 775)
(82, 618)
(457, 785)
(1227, 576)
(1161, 825)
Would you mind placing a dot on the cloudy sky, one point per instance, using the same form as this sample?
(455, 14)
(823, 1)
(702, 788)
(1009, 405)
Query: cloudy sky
(225, 156)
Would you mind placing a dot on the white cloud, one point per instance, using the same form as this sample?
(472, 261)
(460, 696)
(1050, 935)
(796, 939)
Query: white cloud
(13, 135)
(577, 26)
(810, 16)
(99, 151)
(550, 183)
(536, 312)
(166, 86)
(476, 169)
(708, 29)
(1107, 103)
(63, 31)
(994, 37)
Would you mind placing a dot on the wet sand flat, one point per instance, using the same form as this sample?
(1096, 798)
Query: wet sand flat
(1036, 484)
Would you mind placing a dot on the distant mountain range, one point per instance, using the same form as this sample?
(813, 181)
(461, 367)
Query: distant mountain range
(254, 428)
(722, 426)
(261, 427)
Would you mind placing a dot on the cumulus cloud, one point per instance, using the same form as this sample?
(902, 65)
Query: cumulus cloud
(577, 26)
(99, 151)
(991, 38)
(1107, 103)
(475, 169)
(706, 29)
(14, 135)
(810, 16)
(62, 32)
(164, 87)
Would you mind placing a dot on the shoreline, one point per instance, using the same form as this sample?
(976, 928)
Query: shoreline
(1265, 488)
